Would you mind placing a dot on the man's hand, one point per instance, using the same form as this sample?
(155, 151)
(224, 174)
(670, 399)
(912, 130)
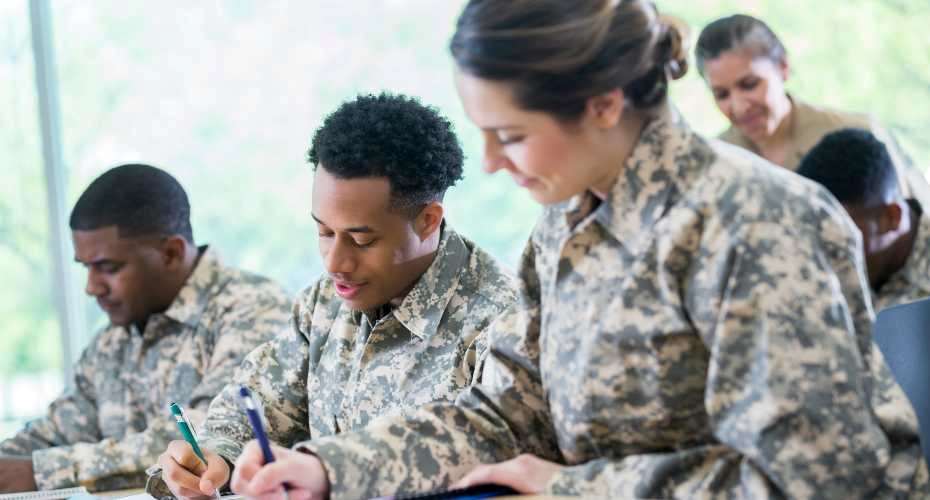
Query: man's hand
(526, 474)
(187, 476)
(16, 474)
(303, 473)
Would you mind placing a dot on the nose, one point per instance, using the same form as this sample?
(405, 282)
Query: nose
(494, 158)
(338, 257)
(739, 104)
(95, 286)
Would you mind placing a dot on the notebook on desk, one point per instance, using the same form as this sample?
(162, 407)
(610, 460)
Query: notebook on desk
(470, 493)
(45, 495)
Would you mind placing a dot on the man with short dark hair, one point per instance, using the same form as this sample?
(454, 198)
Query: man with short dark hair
(180, 323)
(857, 169)
(398, 319)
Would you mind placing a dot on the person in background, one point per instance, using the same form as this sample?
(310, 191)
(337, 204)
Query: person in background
(180, 322)
(856, 168)
(397, 321)
(746, 67)
(692, 323)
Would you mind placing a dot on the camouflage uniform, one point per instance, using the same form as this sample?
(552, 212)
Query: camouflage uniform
(703, 332)
(911, 282)
(114, 421)
(340, 368)
(810, 123)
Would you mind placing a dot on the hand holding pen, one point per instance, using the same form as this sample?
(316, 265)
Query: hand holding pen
(265, 471)
(188, 470)
(303, 474)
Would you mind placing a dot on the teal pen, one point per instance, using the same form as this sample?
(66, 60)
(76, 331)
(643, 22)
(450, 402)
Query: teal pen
(187, 430)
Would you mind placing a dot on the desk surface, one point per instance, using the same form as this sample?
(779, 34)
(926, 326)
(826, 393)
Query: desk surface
(118, 493)
(136, 491)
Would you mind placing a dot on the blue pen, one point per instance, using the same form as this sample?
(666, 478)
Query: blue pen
(257, 428)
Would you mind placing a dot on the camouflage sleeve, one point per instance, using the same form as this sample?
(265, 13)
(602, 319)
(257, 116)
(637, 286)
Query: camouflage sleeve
(72, 417)
(113, 463)
(276, 372)
(490, 422)
(258, 315)
(786, 386)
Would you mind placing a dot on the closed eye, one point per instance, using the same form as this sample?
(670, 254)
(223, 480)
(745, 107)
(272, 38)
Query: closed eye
(108, 267)
(505, 141)
(749, 83)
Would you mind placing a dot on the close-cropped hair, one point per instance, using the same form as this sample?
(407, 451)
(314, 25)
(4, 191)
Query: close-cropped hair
(854, 166)
(139, 200)
(558, 54)
(395, 137)
(738, 32)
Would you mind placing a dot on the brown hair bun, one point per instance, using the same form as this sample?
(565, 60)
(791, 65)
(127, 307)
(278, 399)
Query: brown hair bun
(677, 36)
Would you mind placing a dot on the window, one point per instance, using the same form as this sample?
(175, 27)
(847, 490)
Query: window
(226, 96)
(30, 346)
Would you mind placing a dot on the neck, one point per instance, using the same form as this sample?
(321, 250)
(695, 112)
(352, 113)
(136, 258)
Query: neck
(617, 149)
(175, 282)
(900, 251)
(191, 258)
(419, 265)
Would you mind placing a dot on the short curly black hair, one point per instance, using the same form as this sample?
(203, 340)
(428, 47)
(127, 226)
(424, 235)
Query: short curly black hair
(393, 136)
(854, 166)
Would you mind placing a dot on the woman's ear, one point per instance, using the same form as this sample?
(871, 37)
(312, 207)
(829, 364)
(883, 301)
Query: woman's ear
(784, 69)
(605, 110)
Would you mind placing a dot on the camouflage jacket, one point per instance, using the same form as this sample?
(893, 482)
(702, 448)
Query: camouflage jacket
(113, 420)
(911, 282)
(703, 332)
(336, 370)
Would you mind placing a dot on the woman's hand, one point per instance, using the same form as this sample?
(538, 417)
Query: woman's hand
(526, 474)
(302, 472)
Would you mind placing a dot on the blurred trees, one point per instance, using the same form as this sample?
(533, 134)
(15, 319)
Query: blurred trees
(226, 96)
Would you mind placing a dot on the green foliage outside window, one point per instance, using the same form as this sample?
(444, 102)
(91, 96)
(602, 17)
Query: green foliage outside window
(226, 95)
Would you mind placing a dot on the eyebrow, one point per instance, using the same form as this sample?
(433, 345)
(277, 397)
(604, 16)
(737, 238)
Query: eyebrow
(735, 82)
(94, 262)
(356, 229)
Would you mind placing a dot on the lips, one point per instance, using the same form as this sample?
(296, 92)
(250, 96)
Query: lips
(752, 120)
(348, 290)
(523, 181)
(107, 305)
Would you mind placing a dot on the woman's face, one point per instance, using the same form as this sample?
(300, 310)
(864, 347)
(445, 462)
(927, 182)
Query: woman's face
(551, 160)
(750, 91)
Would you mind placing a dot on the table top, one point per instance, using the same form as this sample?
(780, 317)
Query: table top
(136, 491)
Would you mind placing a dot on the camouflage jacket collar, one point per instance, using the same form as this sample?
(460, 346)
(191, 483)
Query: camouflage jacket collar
(667, 158)
(421, 310)
(200, 286)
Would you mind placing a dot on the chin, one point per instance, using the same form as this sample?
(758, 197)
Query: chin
(119, 321)
(759, 133)
(359, 304)
(549, 198)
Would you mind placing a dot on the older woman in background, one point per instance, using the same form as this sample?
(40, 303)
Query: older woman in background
(746, 66)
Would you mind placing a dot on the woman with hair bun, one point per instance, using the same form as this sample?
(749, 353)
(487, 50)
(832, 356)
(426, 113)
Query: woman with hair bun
(746, 67)
(692, 322)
